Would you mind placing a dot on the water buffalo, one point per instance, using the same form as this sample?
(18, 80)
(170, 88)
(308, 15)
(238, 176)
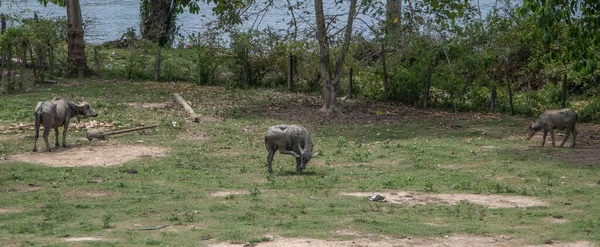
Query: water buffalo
(565, 119)
(289, 139)
(56, 113)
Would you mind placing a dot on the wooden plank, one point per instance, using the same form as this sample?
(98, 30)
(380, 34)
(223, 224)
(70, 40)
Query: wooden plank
(187, 107)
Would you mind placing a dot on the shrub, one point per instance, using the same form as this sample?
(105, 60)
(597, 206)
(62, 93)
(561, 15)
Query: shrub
(590, 112)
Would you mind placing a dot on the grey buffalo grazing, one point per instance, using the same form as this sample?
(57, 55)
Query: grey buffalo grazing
(56, 113)
(564, 119)
(289, 139)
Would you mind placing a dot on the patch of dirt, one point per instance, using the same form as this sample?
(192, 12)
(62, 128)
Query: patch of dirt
(94, 154)
(301, 108)
(194, 135)
(490, 201)
(21, 188)
(383, 241)
(557, 220)
(8, 137)
(9, 211)
(83, 239)
(229, 192)
(89, 193)
(155, 105)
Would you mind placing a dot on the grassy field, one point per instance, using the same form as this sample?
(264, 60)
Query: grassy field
(400, 150)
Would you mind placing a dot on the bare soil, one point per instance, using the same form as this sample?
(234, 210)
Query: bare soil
(9, 211)
(490, 201)
(102, 153)
(83, 239)
(229, 192)
(384, 241)
(154, 105)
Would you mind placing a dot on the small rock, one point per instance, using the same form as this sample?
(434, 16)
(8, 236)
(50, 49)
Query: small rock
(377, 198)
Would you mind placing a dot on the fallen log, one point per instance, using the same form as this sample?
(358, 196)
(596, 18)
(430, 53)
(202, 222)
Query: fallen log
(91, 134)
(187, 107)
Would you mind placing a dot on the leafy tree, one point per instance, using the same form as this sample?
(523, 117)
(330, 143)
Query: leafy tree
(569, 30)
(158, 16)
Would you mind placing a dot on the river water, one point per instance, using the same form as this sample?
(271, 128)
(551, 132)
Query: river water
(107, 20)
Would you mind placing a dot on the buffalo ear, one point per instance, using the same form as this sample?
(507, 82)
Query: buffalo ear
(315, 154)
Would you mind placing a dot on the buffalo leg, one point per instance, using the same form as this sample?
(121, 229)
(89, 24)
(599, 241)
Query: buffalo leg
(36, 136)
(298, 168)
(56, 137)
(65, 134)
(45, 136)
(566, 137)
(544, 137)
(552, 136)
(270, 158)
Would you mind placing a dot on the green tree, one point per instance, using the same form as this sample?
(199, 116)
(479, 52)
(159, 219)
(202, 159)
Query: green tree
(157, 22)
(570, 31)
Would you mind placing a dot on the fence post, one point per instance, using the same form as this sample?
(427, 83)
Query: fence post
(510, 94)
(290, 79)
(350, 84)
(385, 77)
(157, 69)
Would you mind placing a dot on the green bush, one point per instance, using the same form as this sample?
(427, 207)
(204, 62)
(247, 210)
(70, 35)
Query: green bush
(590, 112)
(405, 86)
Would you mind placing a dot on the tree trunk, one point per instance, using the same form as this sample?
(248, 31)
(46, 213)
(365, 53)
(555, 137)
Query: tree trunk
(563, 92)
(393, 22)
(426, 86)
(290, 78)
(76, 45)
(331, 84)
(385, 76)
(493, 99)
(350, 84)
(510, 94)
(157, 20)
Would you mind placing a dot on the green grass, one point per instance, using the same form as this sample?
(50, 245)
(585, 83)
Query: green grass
(419, 155)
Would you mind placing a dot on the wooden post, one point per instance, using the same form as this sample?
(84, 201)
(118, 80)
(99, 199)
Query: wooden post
(22, 68)
(510, 95)
(385, 77)
(350, 84)
(290, 79)
(186, 106)
(33, 66)
(493, 98)
(427, 86)
(157, 69)
(563, 92)
(3, 58)
(198, 51)
(51, 62)
(245, 69)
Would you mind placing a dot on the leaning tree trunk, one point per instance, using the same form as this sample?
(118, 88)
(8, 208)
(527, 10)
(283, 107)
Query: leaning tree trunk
(157, 20)
(76, 45)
